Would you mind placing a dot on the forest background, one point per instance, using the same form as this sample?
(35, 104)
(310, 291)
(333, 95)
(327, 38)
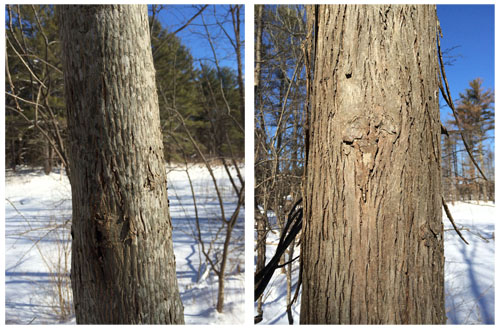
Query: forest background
(199, 80)
(468, 51)
(467, 44)
(200, 84)
(468, 39)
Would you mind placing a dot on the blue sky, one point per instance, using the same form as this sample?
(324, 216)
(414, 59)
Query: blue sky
(472, 29)
(194, 36)
(469, 28)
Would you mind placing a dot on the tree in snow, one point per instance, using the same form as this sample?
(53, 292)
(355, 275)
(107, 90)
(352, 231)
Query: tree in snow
(123, 264)
(372, 242)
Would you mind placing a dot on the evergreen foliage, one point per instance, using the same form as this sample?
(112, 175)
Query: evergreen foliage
(33, 77)
(187, 93)
(476, 120)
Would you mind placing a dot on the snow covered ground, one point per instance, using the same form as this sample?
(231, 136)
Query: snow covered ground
(38, 210)
(469, 270)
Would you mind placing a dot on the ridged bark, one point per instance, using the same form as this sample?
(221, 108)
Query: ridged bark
(372, 247)
(123, 265)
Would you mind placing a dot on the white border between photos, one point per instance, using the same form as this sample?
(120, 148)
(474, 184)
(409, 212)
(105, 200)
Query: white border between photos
(249, 162)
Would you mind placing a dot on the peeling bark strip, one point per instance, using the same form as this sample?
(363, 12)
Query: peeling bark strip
(373, 235)
(123, 265)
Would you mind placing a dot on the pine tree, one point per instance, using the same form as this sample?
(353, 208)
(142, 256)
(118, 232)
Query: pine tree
(476, 119)
(35, 124)
(176, 80)
(220, 101)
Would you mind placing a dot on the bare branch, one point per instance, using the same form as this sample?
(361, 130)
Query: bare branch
(450, 217)
(180, 29)
(449, 101)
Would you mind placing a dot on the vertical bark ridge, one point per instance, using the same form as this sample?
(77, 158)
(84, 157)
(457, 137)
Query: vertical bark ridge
(373, 248)
(123, 266)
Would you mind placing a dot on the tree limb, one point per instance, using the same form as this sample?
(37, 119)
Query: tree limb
(449, 101)
(290, 231)
(450, 217)
(180, 29)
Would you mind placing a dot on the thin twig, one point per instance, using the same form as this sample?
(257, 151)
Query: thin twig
(287, 263)
(463, 228)
(36, 104)
(450, 217)
(180, 29)
(25, 64)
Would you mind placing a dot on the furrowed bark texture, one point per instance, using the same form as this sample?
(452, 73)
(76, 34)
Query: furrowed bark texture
(373, 235)
(123, 265)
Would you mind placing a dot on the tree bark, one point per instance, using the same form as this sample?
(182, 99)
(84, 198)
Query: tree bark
(47, 161)
(258, 47)
(123, 265)
(235, 13)
(260, 218)
(373, 236)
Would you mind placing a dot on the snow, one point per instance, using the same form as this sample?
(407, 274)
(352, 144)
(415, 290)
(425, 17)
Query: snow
(37, 246)
(469, 270)
(36, 204)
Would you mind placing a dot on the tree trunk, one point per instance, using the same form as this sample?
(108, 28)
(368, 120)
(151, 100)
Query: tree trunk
(260, 218)
(258, 48)
(289, 292)
(47, 161)
(14, 154)
(235, 13)
(373, 235)
(482, 183)
(222, 270)
(456, 181)
(123, 265)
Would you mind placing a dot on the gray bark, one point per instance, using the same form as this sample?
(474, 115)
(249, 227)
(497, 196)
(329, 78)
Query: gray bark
(372, 246)
(123, 265)
(260, 219)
